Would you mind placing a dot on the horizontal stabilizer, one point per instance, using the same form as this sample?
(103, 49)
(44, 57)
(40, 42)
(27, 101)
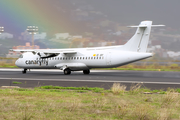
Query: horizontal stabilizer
(140, 26)
(144, 26)
(158, 25)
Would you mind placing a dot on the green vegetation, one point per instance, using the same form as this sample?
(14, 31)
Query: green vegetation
(95, 89)
(14, 82)
(55, 102)
(7, 63)
(7, 66)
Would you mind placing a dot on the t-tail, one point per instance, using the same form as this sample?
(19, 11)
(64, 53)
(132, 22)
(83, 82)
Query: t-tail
(139, 42)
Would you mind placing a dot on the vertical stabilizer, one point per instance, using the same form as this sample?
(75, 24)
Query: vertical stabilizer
(139, 42)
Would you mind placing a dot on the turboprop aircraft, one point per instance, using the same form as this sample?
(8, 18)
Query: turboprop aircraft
(77, 59)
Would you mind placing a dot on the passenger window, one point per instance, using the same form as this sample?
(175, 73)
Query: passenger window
(74, 57)
(77, 57)
(63, 58)
(71, 58)
(94, 57)
(91, 57)
(99, 57)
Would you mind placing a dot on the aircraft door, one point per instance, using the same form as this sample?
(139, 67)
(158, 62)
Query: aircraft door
(108, 58)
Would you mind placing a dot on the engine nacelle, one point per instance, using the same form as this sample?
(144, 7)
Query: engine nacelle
(47, 55)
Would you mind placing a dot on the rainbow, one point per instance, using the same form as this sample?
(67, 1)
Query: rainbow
(16, 15)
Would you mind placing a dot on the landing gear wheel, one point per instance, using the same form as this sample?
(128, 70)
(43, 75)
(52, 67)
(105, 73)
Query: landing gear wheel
(67, 71)
(86, 71)
(24, 71)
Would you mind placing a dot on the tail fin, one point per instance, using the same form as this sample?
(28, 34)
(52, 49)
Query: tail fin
(139, 41)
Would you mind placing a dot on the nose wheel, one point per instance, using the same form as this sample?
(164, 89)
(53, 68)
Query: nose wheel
(67, 71)
(24, 71)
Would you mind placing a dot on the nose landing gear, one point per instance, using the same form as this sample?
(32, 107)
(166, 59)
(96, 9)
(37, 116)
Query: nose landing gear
(24, 71)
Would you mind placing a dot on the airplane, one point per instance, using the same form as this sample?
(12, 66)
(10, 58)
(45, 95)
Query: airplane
(84, 59)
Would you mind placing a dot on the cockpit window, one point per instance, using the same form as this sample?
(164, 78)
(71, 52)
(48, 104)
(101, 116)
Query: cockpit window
(21, 56)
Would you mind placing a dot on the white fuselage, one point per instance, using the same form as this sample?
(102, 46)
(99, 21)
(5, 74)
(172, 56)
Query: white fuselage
(85, 58)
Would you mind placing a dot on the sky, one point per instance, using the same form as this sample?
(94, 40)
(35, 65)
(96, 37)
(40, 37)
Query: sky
(49, 15)
(133, 11)
(17, 14)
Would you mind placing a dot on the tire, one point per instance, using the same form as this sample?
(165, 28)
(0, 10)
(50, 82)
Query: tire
(67, 72)
(86, 71)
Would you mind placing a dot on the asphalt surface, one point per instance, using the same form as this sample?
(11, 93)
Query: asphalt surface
(97, 78)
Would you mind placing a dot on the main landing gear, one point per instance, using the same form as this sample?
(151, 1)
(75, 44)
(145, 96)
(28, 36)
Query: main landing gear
(24, 71)
(67, 71)
(86, 71)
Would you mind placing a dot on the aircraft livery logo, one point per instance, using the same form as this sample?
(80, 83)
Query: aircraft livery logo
(38, 62)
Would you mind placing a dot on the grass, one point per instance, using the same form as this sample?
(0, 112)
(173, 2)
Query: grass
(14, 82)
(95, 89)
(55, 102)
(6, 64)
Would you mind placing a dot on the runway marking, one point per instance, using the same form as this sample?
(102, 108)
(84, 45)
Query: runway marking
(70, 80)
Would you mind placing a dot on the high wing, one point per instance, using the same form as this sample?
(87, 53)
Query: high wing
(46, 53)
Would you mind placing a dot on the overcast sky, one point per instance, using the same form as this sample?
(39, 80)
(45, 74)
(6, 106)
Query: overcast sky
(133, 11)
(15, 15)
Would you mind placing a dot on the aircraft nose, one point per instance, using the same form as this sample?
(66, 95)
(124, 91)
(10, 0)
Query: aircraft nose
(17, 62)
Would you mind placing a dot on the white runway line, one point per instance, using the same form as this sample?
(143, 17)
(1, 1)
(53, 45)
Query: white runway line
(73, 80)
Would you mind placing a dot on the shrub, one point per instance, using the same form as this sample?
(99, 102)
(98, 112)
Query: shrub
(178, 90)
(98, 102)
(142, 112)
(164, 114)
(118, 89)
(174, 66)
(121, 110)
(170, 97)
(135, 88)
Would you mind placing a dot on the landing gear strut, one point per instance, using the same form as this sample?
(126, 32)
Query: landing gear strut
(86, 71)
(67, 71)
(24, 71)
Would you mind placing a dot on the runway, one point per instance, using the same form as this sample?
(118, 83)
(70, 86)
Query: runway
(97, 78)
